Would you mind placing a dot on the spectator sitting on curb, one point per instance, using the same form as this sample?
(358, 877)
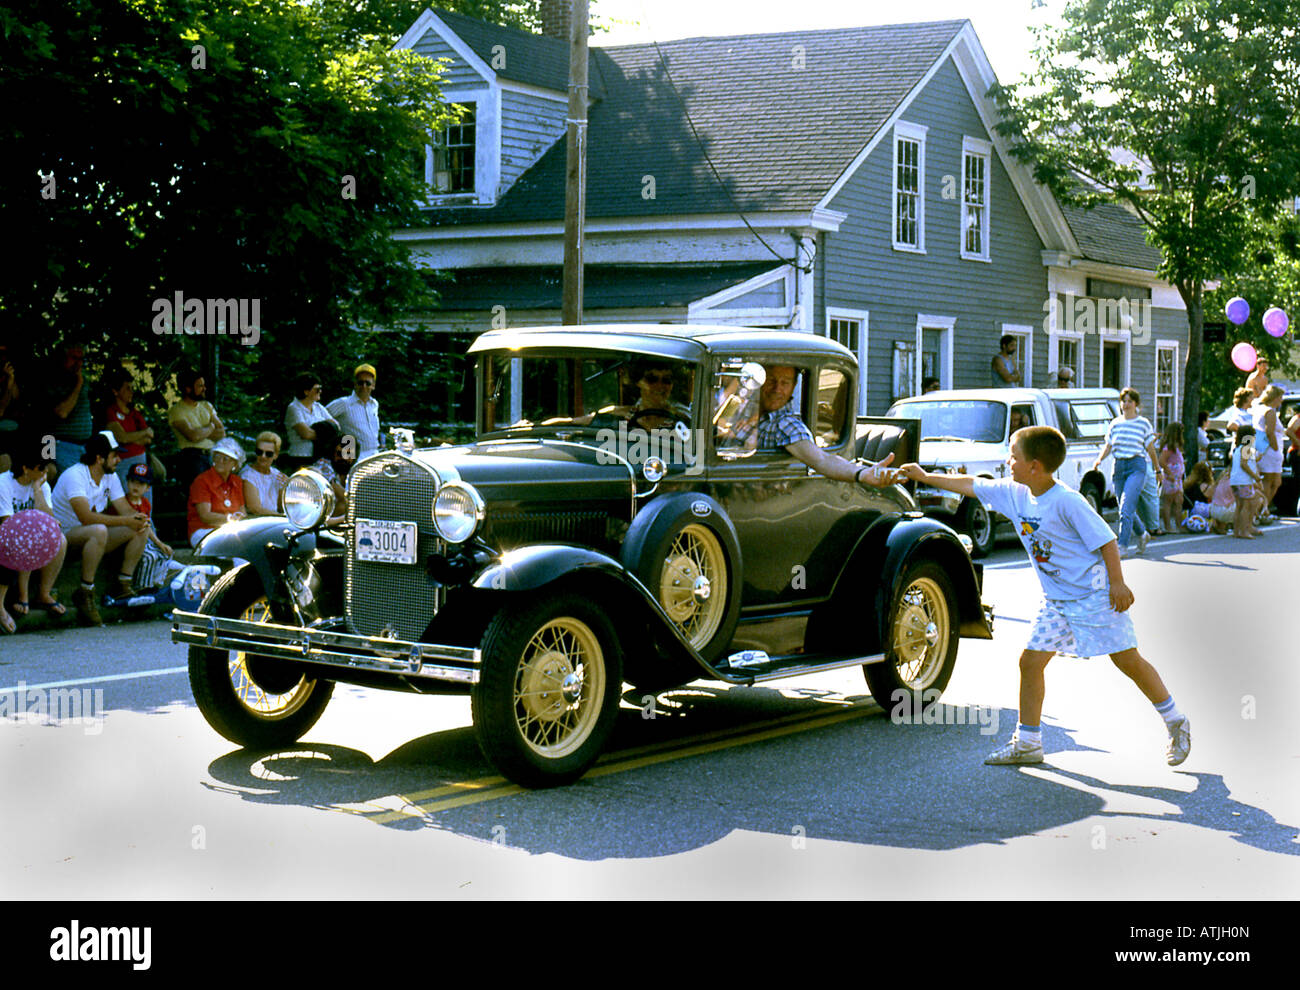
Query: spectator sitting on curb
(80, 498)
(24, 487)
(263, 481)
(217, 495)
(1076, 558)
(153, 567)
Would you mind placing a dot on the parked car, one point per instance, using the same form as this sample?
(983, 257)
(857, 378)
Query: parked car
(968, 431)
(587, 539)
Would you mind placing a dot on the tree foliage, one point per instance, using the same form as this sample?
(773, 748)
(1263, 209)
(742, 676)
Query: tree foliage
(1202, 94)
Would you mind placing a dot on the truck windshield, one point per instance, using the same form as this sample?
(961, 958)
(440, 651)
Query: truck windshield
(956, 419)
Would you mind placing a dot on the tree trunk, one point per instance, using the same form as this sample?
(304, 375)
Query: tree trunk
(1193, 296)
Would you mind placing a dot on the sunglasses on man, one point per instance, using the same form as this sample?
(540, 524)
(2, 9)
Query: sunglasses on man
(652, 378)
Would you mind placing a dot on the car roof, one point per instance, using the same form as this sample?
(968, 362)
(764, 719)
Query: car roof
(1013, 394)
(686, 341)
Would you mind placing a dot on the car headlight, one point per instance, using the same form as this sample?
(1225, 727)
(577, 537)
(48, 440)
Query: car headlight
(308, 499)
(458, 510)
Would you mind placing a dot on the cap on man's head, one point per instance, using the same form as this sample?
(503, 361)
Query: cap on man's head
(369, 368)
(102, 444)
(141, 473)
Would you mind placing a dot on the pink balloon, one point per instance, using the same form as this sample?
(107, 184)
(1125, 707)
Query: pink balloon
(29, 540)
(1275, 321)
(1244, 356)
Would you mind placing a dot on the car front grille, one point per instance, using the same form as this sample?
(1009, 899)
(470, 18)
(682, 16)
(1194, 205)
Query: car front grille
(394, 600)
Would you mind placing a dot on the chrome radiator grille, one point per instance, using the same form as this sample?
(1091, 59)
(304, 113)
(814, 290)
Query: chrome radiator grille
(392, 599)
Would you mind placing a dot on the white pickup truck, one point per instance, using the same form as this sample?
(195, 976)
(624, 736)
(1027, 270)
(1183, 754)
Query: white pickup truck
(968, 431)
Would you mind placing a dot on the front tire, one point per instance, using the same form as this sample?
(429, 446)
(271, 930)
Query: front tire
(549, 689)
(1092, 495)
(979, 526)
(255, 702)
(923, 639)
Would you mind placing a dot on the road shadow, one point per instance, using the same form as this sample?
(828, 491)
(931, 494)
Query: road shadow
(796, 764)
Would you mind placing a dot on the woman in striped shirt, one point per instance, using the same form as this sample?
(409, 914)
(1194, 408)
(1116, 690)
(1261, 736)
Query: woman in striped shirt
(1130, 436)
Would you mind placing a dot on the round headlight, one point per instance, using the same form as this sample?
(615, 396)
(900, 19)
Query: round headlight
(308, 499)
(457, 511)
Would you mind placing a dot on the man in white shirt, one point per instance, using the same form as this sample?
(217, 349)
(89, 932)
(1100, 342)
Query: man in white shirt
(21, 489)
(358, 413)
(81, 495)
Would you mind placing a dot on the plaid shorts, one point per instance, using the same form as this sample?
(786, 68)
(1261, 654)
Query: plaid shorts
(1088, 627)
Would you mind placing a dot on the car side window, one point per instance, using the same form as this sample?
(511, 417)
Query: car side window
(1022, 416)
(831, 406)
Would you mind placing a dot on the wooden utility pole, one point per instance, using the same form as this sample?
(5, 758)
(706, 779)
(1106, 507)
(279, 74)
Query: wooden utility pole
(575, 173)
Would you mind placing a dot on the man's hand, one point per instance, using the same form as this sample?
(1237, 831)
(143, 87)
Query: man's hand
(1120, 596)
(218, 431)
(878, 475)
(137, 522)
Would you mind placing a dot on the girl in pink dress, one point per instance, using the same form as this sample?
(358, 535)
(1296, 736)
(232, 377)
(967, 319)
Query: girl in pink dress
(1171, 481)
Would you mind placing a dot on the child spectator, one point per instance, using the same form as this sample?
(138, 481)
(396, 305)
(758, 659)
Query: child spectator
(25, 487)
(153, 566)
(1245, 480)
(1076, 558)
(1171, 484)
(1201, 499)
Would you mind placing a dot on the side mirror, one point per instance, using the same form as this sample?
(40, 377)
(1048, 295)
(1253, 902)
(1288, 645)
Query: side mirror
(752, 376)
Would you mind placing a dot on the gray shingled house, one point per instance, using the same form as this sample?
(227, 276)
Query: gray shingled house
(844, 182)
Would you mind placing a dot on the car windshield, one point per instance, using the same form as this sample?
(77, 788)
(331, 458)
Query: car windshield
(618, 393)
(956, 419)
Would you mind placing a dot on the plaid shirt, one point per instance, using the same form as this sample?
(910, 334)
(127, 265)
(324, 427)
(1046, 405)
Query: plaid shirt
(781, 428)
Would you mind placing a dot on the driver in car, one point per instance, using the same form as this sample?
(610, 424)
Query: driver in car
(780, 425)
(654, 408)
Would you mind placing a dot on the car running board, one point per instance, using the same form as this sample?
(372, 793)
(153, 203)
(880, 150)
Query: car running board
(757, 667)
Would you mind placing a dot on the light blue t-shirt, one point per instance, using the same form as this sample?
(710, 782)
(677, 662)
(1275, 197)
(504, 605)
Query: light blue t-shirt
(1060, 531)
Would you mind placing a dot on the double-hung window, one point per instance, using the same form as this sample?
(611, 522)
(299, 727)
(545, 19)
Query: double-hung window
(908, 187)
(976, 156)
(453, 155)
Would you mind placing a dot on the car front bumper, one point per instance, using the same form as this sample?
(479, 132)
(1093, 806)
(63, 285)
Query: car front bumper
(432, 661)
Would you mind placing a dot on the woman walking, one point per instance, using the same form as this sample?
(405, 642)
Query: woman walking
(1131, 437)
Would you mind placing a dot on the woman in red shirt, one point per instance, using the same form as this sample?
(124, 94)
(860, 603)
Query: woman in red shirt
(217, 495)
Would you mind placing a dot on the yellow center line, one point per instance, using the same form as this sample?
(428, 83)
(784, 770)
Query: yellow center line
(463, 793)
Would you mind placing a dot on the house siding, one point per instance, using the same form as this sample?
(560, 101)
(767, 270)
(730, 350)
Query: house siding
(529, 125)
(458, 73)
(862, 270)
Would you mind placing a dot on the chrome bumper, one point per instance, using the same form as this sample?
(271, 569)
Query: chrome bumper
(433, 661)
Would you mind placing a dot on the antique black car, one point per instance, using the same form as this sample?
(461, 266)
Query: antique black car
(616, 521)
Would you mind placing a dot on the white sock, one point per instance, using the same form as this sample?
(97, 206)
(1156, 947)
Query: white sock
(1029, 736)
(1169, 711)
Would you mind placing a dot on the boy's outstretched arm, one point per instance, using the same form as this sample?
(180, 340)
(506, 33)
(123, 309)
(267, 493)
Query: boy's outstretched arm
(962, 484)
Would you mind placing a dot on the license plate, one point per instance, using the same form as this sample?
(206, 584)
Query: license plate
(386, 542)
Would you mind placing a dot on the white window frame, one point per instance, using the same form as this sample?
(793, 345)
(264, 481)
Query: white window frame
(972, 147)
(908, 132)
(862, 318)
(945, 324)
(1055, 334)
(487, 149)
(1125, 339)
(1026, 334)
(1165, 345)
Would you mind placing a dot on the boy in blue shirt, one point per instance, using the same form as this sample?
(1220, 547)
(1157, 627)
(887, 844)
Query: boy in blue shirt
(1085, 601)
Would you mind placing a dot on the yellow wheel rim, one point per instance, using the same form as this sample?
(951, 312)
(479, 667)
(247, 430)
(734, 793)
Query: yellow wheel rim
(921, 630)
(559, 687)
(693, 584)
(251, 694)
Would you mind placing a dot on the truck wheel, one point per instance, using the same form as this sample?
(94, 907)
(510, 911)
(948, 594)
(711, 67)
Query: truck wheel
(255, 702)
(549, 689)
(979, 526)
(1092, 494)
(923, 639)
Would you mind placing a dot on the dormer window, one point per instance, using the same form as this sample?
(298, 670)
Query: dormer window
(453, 155)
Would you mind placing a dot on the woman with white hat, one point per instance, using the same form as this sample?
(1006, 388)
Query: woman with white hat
(217, 495)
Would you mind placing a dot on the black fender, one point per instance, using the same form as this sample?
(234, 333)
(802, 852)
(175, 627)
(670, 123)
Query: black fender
(660, 656)
(267, 543)
(876, 566)
(654, 524)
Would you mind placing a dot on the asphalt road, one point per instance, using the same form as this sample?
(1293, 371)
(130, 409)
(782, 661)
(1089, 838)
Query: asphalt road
(805, 788)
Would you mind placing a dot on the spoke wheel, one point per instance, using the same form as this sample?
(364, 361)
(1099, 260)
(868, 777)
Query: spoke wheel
(923, 640)
(693, 584)
(548, 689)
(254, 701)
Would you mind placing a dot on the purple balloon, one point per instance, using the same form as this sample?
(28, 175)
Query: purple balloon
(1244, 356)
(1237, 310)
(29, 540)
(1275, 321)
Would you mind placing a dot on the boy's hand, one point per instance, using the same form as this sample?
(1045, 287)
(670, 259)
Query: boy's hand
(1120, 596)
(164, 548)
(913, 472)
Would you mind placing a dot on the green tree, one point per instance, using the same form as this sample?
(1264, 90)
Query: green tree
(1204, 93)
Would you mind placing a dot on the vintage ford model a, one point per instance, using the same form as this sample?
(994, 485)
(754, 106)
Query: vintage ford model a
(615, 522)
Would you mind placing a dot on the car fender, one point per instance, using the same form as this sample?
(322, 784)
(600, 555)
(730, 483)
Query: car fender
(265, 542)
(883, 554)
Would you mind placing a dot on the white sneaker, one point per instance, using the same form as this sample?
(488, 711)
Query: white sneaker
(1143, 539)
(1127, 553)
(1180, 742)
(1015, 752)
